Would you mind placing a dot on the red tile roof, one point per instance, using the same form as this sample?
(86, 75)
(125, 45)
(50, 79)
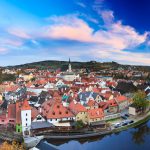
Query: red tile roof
(26, 105)
(121, 98)
(112, 102)
(18, 112)
(95, 113)
(34, 113)
(55, 110)
(76, 107)
(11, 111)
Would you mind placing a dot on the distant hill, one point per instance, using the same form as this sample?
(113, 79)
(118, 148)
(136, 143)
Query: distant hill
(91, 65)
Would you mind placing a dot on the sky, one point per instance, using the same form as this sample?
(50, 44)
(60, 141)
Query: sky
(84, 30)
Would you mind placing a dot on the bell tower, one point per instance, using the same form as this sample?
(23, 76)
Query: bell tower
(69, 66)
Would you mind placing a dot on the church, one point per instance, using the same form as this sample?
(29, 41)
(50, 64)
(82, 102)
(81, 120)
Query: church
(69, 75)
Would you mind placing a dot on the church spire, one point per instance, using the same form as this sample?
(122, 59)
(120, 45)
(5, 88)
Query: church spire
(69, 66)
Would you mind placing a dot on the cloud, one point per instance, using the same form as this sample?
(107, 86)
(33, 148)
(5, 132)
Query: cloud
(107, 17)
(109, 43)
(116, 36)
(68, 27)
(19, 32)
(81, 4)
(13, 42)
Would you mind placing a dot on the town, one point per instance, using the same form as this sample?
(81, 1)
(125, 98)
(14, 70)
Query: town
(45, 102)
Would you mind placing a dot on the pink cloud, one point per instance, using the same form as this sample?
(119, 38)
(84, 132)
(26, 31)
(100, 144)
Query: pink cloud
(21, 33)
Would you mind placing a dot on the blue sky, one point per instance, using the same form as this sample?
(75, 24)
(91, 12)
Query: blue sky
(84, 30)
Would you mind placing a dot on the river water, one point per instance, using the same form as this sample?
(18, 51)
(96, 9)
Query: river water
(132, 139)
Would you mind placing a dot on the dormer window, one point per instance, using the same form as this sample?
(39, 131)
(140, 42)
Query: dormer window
(53, 113)
(60, 113)
(66, 112)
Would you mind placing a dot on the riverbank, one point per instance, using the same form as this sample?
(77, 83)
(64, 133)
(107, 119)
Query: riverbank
(140, 120)
(69, 136)
(10, 136)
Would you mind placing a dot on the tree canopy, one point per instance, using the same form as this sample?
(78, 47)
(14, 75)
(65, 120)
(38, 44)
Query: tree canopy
(140, 101)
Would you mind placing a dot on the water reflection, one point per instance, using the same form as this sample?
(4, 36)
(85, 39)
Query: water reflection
(135, 139)
(138, 136)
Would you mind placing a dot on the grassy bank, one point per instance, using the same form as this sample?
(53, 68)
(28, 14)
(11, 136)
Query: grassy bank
(132, 125)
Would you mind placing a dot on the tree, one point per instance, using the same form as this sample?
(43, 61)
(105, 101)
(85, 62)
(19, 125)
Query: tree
(79, 124)
(139, 100)
(13, 146)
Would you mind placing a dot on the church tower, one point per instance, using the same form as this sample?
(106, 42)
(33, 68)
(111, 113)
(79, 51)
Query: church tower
(69, 66)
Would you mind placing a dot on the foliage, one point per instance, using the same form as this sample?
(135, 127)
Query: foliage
(13, 146)
(139, 100)
(126, 87)
(79, 124)
(7, 77)
(33, 79)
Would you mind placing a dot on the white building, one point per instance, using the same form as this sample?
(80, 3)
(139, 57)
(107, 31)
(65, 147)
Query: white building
(69, 75)
(26, 118)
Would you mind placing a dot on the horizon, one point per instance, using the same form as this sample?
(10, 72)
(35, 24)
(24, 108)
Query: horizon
(99, 30)
(77, 61)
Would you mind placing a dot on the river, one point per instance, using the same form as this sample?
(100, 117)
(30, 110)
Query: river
(132, 139)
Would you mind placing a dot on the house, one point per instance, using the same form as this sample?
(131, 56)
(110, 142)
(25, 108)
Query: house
(79, 110)
(57, 114)
(11, 114)
(113, 106)
(95, 115)
(122, 102)
(18, 116)
(133, 110)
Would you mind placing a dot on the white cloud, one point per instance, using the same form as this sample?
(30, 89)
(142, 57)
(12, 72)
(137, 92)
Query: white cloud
(81, 4)
(109, 43)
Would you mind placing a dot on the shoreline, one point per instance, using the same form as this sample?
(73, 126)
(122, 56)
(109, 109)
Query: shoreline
(93, 134)
(97, 133)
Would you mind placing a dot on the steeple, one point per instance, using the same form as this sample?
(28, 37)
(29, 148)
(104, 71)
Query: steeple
(69, 66)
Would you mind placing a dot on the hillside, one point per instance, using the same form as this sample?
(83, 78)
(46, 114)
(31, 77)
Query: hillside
(91, 65)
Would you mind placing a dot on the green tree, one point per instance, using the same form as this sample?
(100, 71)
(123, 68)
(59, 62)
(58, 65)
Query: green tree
(79, 124)
(140, 101)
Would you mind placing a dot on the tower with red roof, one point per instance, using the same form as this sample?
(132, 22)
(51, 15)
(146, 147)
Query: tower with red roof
(26, 118)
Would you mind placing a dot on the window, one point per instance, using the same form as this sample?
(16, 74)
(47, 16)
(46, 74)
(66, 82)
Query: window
(60, 112)
(26, 114)
(58, 106)
(66, 112)
(26, 124)
(56, 119)
(53, 113)
(26, 119)
(2, 120)
(38, 118)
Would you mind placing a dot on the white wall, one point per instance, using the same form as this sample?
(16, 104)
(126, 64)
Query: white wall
(26, 120)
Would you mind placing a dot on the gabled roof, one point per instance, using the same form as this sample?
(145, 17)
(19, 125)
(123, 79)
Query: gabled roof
(18, 112)
(55, 110)
(95, 113)
(121, 98)
(26, 105)
(34, 113)
(76, 107)
(12, 111)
